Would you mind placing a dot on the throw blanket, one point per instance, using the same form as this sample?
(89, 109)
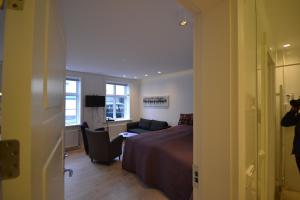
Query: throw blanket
(163, 159)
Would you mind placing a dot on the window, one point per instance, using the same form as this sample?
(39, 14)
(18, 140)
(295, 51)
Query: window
(72, 102)
(117, 101)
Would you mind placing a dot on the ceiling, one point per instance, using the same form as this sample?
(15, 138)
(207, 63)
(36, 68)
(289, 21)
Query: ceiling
(284, 17)
(128, 38)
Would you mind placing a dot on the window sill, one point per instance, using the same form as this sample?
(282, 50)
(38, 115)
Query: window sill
(118, 121)
(72, 126)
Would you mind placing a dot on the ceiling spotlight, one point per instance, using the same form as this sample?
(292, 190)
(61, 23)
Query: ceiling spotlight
(135, 77)
(159, 72)
(124, 76)
(183, 22)
(286, 45)
(146, 75)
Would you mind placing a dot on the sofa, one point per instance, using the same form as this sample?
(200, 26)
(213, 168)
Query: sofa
(146, 125)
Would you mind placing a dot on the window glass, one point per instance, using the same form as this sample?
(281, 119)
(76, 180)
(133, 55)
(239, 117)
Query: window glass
(120, 90)
(72, 102)
(110, 107)
(120, 105)
(110, 89)
(117, 102)
(71, 86)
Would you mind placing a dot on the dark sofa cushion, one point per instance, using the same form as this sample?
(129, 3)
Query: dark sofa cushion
(138, 130)
(158, 125)
(145, 124)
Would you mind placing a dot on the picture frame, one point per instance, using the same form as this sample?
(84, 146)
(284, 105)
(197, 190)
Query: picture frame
(156, 101)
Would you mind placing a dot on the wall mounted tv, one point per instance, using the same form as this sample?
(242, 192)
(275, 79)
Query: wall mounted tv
(94, 101)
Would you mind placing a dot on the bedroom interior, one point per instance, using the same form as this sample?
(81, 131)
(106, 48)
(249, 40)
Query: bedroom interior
(148, 92)
(255, 75)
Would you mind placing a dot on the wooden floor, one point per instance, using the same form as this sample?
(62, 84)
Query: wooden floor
(100, 182)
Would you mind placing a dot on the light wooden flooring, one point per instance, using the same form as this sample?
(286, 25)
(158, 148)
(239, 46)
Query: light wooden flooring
(95, 181)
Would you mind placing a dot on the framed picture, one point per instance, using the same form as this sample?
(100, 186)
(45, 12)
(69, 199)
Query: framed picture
(156, 101)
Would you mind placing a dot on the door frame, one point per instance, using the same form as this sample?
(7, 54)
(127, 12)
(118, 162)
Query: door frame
(207, 41)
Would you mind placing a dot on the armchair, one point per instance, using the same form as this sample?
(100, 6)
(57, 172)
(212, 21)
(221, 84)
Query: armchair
(84, 126)
(101, 148)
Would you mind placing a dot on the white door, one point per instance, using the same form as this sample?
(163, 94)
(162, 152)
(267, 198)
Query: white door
(33, 99)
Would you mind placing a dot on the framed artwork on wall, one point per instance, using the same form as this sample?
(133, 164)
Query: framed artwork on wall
(156, 101)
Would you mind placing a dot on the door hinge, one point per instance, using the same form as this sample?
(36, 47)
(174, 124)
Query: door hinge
(195, 176)
(9, 159)
(15, 4)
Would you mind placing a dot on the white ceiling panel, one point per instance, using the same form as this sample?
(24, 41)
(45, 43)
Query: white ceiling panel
(127, 38)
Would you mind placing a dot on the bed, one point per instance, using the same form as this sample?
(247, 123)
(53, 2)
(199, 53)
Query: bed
(163, 159)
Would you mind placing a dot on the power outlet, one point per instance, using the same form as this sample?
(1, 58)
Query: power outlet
(195, 176)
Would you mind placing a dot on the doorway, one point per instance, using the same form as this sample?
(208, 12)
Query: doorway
(178, 85)
(278, 58)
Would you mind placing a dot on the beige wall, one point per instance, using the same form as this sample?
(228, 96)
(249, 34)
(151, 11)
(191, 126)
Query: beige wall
(214, 98)
(247, 120)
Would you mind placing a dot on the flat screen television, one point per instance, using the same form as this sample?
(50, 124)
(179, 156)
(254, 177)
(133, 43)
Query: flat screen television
(94, 101)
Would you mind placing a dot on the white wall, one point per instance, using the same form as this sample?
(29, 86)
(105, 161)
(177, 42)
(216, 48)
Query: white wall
(288, 77)
(94, 84)
(247, 97)
(178, 86)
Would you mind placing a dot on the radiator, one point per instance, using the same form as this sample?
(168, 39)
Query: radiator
(115, 129)
(73, 134)
(72, 137)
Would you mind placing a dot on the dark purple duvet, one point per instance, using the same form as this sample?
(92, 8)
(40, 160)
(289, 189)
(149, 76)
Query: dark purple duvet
(163, 159)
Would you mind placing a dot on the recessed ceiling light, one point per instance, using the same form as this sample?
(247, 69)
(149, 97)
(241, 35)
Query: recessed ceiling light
(146, 75)
(135, 77)
(183, 22)
(159, 72)
(124, 76)
(286, 45)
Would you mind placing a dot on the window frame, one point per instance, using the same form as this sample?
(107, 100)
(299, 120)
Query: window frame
(78, 96)
(115, 96)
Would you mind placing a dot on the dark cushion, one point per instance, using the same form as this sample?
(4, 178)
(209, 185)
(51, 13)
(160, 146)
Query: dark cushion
(145, 124)
(138, 130)
(186, 119)
(158, 125)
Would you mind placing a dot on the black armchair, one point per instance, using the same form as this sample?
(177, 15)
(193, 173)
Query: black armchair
(101, 148)
(84, 126)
